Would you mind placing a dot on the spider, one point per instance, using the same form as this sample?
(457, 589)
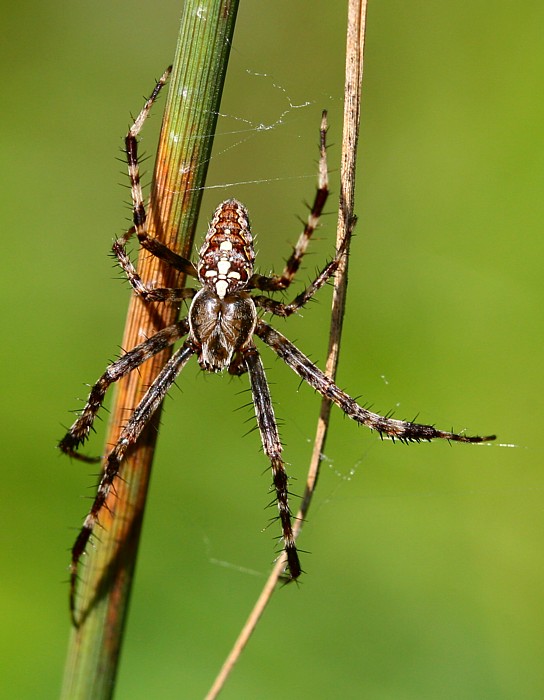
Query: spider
(223, 318)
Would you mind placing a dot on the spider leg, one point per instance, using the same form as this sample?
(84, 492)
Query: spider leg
(151, 244)
(279, 282)
(285, 310)
(159, 250)
(112, 465)
(272, 448)
(132, 359)
(404, 431)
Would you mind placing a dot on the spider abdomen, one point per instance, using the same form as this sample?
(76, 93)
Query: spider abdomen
(220, 327)
(227, 255)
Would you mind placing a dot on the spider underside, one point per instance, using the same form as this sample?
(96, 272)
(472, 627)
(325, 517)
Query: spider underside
(219, 329)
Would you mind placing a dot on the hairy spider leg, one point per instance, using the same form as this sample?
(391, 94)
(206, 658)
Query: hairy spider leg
(112, 465)
(404, 431)
(132, 359)
(272, 447)
(139, 216)
(285, 310)
(276, 283)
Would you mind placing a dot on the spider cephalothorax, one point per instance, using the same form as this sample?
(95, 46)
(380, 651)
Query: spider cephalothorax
(220, 327)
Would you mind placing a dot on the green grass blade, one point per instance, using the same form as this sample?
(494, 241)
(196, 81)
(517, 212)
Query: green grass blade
(184, 151)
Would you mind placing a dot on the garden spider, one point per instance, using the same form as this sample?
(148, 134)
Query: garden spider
(222, 320)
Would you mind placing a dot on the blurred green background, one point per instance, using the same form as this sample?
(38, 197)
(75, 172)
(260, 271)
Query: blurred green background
(425, 566)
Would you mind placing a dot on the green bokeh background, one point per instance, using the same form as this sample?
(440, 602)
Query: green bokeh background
(425, 567)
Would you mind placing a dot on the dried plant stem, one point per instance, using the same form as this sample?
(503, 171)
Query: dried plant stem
(346, 221)
(190, 117)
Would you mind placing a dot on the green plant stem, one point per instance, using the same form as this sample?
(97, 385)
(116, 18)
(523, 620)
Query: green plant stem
(194, 96)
